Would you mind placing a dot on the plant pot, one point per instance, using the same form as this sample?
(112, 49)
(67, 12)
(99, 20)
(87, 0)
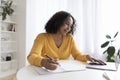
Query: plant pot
(8, 18)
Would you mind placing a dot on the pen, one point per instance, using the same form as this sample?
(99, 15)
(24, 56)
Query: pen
(51, 59)
(55, 62)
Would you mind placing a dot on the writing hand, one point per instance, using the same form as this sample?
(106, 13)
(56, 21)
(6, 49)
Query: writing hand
(49, 64)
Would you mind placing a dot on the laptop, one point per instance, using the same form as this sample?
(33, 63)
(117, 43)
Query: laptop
(111, 66)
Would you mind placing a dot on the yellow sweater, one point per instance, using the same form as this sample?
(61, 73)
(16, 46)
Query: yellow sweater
(44, 44)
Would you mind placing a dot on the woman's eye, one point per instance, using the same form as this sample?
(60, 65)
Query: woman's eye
(67, 24)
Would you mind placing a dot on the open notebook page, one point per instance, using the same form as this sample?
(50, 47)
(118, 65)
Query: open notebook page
(65, 66)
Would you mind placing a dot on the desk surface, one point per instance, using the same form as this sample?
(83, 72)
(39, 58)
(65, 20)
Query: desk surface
(27, 73)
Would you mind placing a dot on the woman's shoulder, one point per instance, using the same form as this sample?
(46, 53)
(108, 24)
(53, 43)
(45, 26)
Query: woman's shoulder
(69, 36)
(42, 35)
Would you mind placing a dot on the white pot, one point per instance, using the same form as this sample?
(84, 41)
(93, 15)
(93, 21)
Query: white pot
(8, 18)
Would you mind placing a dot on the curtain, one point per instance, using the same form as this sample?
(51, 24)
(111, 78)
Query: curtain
(88, 26)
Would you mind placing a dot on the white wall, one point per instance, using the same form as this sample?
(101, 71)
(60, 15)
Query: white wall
(30, 25)
(21, 24)
(110, 16)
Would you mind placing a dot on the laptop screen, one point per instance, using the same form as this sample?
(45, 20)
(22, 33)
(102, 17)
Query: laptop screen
(117, 59)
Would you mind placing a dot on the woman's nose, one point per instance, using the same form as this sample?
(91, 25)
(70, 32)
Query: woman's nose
(68, 28)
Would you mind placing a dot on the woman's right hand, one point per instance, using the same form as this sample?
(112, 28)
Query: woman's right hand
(49, 64)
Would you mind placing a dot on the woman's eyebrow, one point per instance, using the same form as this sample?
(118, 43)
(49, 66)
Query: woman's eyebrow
(70, 23)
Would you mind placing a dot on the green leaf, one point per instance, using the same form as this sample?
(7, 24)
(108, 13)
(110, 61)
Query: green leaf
(104, 51)
(108, 36)
(7, 10)
(10, 3)
(115, 34)
(111, 51)
(105, 44)
(3, 16)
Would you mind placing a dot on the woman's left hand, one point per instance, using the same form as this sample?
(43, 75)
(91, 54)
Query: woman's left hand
(95, 60)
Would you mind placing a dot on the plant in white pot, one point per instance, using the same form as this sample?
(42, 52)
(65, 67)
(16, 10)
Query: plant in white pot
(7, 10)
(110, 49)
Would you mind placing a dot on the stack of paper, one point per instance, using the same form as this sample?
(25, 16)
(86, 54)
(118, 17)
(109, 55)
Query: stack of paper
(65, 66)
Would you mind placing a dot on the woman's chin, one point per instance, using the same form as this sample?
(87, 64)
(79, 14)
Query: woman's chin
(65, 33)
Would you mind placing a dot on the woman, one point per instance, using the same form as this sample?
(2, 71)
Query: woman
(57, 43)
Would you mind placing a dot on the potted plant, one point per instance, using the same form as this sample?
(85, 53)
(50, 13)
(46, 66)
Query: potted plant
(110, 49)
(7, 10)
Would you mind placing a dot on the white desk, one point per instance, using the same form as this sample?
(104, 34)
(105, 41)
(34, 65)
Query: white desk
(27, 73)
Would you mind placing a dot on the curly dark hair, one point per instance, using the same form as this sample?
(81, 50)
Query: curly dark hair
(57, 20)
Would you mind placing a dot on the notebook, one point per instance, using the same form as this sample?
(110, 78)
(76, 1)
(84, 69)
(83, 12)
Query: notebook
(65, 66)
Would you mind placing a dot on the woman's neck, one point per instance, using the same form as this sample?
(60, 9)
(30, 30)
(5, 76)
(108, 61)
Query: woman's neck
(58, 39)
(58, 35)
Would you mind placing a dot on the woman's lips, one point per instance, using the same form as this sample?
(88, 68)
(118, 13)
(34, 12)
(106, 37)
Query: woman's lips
(65, 31)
